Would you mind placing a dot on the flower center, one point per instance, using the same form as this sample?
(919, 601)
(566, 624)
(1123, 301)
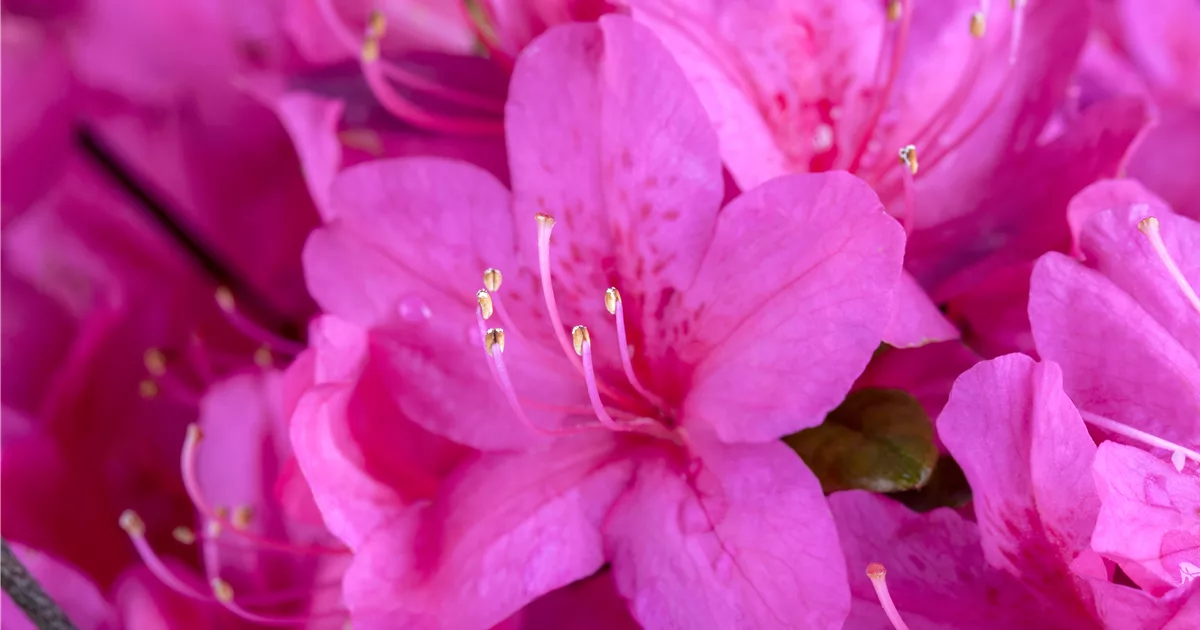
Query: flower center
(613, 408)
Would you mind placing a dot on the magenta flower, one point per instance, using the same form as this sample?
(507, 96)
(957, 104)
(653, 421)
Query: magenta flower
(1031, 556)
(796, 87)
(647, 439)
(1126, 321)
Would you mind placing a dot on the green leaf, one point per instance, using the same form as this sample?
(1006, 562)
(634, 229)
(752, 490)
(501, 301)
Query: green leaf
(947, 487)
(877, 439)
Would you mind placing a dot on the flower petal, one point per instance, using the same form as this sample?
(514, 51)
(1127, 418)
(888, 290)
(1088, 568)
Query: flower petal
(1113, 352)
(792, 300)
(746, 541)
(606, 135)
(505, 530)
(1027, 456)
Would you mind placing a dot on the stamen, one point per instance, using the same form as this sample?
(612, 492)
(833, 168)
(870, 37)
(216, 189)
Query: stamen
(493, 338)
(612, 302)
(184, 535)
(218, 517)
(485, 303)
(881, 100)
(263, 358)
(939, 123)
(156, 362)
(1018, 28)
(894, 9)
(583, 345)
(492, 279)
(241, 517)
(136, 529)
(148, 389)
(1178, 453)
(1149, 227)
(978, 24)
(545, 224)
(249, 328)
(225, 596)
(908, 155)
(878, 575)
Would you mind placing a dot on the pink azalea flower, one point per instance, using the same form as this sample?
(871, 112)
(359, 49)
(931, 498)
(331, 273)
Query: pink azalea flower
(811, 86)
(1126, 320)
(653, 447)
(1031, 556)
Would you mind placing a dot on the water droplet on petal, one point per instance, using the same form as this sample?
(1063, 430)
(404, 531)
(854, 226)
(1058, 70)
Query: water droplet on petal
(413, 309)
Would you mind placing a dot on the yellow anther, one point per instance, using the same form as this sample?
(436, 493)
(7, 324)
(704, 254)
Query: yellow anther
(156, 362)
(225, 299)
(894, 10)
(370, 50)
(908, 155)
(222, 590)
(544, 219)
(184, 535)
(263, 357)
(376, 25)
(485, 303)
(1148, 225)
(148, 389)
(978, 24)
(493, 337)
(579, 335)
(241, 517)
(492, 279)
(611, 298)
(194, 434)
(132, 523)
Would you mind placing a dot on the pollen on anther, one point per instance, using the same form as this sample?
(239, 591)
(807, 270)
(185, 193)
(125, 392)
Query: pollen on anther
(876, 571)
(156, 362)
(978, 24)
(224, 297)
(908, 155)
(544, 219)
(148, 389)
(611, 297)
(132, 523)
(184, 535)
(194, 433)
(492, 338)
(894, 10)
(222, 590)
(485, 303)
(241, 517)
(492, 279)
(370, 50)
(579, 335)
(376, 24)
(263, 357)
(1148, 225)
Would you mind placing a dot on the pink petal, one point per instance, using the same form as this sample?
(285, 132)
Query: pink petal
(1107, 194)
(363, 459)
(994, 314)
(1161, 41)
(916, 320)
(145, 602)
(1146, 517)
(504, 530)
(75, 594)
(811, 263)
(742, 540)
(1027, 456)
(606, 135)
(1157, 161)
(754, 64)
(936, 573)
(1113, 352)
(1016, 211)
(1114, 246)
(312, 123)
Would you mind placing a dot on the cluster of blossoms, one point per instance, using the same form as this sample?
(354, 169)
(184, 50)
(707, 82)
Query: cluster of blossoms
(581, 314)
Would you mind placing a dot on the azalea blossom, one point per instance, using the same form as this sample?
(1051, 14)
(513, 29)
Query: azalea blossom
(627, 440)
